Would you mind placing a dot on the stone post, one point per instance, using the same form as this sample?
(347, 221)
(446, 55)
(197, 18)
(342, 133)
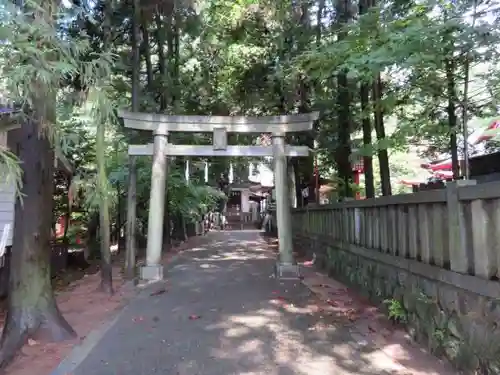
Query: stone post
(153, 270)
(460, 253)
(287, 267)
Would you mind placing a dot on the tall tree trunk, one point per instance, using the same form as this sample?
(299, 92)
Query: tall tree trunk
(130, 256)
(32, 310)
(136, 56)
(170, 60)
(383, 155)
(67, 215)
(167, 240)
(465, 101)
(118, 218)
(104, 219)
(162, 62)
(319, 22)
(175, 61)
(452, 116)
(92, 250)
(147, 53)
(367, 141)
(366, 124)
(378, 112)
(343, 150)
(102, 179)
(304, 167)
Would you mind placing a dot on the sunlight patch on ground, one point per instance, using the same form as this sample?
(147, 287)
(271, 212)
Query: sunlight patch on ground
(290, 307)
(194, 249)
(237, 331)
(252, 321)
(289, 351)
(257, 320)
(379, 360)
(242, 255)
(206, 265)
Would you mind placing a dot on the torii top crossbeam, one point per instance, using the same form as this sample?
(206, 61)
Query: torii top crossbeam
(162, 124)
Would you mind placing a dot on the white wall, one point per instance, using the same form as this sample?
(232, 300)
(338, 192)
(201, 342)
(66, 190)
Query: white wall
(264, 175)
(7, 199)
(245, 201)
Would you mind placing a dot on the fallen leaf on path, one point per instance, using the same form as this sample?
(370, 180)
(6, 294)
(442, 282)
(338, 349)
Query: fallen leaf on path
(158, 292)
(194, 317)
(352, 315)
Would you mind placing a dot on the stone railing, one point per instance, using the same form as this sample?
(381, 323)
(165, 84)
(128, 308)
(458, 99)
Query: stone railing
(454, 228)
(436, 253)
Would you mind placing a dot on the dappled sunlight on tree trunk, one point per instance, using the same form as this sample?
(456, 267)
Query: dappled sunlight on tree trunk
(383, 155)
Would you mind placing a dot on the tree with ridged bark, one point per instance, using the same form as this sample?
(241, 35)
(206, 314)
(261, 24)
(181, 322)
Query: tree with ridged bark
(32, 309)
(39, 62)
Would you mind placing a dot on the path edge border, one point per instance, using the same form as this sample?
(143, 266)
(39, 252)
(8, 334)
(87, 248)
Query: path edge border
(81, 351)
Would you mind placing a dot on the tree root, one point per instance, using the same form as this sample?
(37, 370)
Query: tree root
(12, 341)
(20, 325)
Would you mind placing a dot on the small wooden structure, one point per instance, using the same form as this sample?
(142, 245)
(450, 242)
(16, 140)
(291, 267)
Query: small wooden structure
(483, 168)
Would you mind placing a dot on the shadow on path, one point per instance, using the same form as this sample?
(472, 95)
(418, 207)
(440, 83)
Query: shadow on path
(222, 313)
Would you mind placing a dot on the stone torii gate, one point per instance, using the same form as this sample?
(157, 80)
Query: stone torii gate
(162, 125)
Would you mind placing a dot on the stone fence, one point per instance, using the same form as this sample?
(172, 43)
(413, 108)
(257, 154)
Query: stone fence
(435, 255)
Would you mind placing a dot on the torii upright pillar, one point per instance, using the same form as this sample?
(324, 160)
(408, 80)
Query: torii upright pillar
(283, 214)
(153, 270)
